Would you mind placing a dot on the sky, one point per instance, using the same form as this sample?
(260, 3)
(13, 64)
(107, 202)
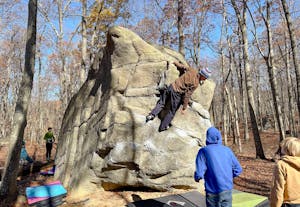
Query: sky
(71, 23)
(137, 8)
(137, 11)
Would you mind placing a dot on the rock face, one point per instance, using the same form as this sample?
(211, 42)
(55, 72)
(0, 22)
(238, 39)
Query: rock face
(104, 139)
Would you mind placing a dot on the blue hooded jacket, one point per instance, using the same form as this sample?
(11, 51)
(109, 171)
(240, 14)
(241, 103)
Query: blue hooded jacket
(216, 163)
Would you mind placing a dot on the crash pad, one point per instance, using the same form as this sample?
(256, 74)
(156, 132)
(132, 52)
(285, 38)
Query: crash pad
(189, 199)
(245, 199)
(196, 199)
(50, 194)
(48, 172)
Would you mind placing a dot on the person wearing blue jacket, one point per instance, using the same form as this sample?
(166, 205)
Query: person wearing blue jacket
(24, 155)
(217, 165)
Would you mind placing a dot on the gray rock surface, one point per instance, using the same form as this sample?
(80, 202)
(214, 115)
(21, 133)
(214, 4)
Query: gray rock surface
(104, 140)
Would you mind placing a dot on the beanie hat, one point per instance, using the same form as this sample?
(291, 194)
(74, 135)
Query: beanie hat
(205, 72)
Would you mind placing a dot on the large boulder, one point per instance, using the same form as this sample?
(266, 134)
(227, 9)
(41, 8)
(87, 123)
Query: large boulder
(104, 139)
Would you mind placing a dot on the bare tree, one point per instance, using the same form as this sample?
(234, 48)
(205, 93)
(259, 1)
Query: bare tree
(258, 89)
(225, 100)
(65, 79)
(198, 30)
(8, 187)
(291, 109)
(11, 57)
(251, 104)
(230, 93)
(4, 105)
(242, 88)
(225, 97)
(293, 47)
(180, 27)
(233, 105)
(269, 59)
(84, 55)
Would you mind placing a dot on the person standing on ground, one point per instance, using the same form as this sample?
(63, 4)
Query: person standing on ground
(285, 190)
(218, 166)
(50, 139)
(179, 92)
(24, 155)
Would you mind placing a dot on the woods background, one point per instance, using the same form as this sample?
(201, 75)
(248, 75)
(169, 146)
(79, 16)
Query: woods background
(251, 46)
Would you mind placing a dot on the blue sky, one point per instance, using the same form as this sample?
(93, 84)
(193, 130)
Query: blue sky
(137, 11)
(137, 8)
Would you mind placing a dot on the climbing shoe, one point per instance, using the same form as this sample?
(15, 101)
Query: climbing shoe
(164, 129)
(149, 117)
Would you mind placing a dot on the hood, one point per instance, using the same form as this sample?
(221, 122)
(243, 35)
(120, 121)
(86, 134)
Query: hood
(213, 136)
(292, 160)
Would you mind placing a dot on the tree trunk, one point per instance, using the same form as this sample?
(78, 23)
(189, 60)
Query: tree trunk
(201, 20)
(291, 109)
(224, 100)
(40, 98)
(5, 110)
(273, 112)
(8, 187)
(236, 120)
(271, 71)
(65, 76)
(84, 56)
(232, 105)
(235, 114)
(258, 92)
(224, 123)
(212, 111)
(180, 27)
(260, 115)
(242, 87)
(251, 105)
(293, 47)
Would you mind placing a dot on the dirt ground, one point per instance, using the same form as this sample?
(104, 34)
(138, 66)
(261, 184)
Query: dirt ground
(256, 176)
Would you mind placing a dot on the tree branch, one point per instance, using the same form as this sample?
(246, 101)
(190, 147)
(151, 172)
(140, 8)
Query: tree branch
(254, 33)
(45, 15)
(66, 7)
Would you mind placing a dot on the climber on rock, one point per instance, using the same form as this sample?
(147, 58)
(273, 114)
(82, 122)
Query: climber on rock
(179, 92)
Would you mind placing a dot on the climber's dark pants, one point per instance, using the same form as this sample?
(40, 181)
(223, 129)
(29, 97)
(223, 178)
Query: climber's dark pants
(175, 98)
(48, 150)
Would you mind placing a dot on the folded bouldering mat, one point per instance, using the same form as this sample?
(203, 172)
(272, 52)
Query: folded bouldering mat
(48, 171)
(195, 199)
(243, 199)
(190, 199)
(48, 195)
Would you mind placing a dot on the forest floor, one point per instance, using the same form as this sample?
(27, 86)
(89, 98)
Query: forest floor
(256, 177)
